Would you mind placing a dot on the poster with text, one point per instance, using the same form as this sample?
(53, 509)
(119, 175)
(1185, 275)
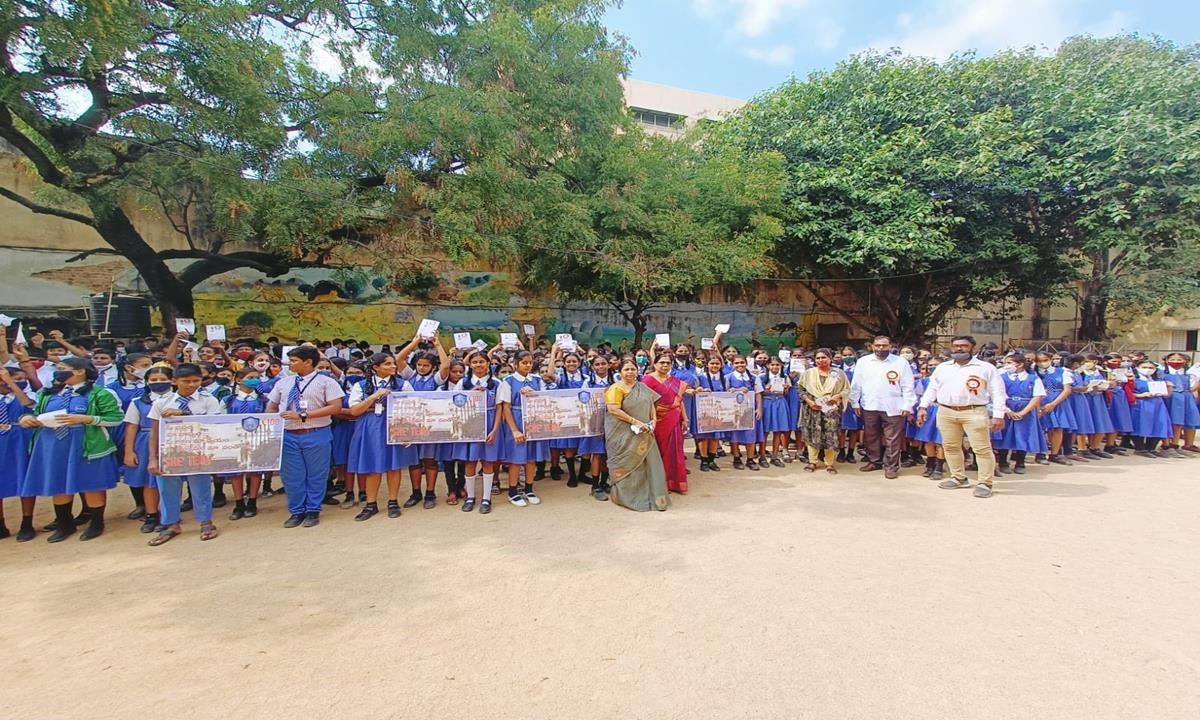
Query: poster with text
(220, 444)
(418, 418)
(724, 412)
(559, 414)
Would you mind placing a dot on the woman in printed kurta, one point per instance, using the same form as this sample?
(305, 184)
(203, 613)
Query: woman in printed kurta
(825, 394)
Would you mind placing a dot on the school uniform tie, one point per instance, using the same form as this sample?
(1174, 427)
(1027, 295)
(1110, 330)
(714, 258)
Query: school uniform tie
(61, 432)
(4, 412)
(185, 405)
(293, 402)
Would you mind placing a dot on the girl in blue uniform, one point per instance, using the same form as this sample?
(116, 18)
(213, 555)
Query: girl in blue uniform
(593, 447)
(776, 386)
(14, 448)
(761, 358)
(1096, 391)
(1150, 412)
(852, 424)
(78, 455)
(711, 379)
(371, 457)
(481, 459)
(514, 448)
(136, 446)
(1022, 433)
(684, 369)
(428, 373)
(928, 434)
(569, 377)
(1081, 410)
(343, 433)
(1118, 405)
(448, 453)
(1185, 416)
(130, 383)
(793, 399)
(741, 380)
(1057, 415)
(268, 374)
(245, 399)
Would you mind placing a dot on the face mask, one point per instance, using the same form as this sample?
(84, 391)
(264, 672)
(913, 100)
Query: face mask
(1045, 364)
(960, 356)
(906, 355)
(159, 387)
(847, 364)
(61, 376)
(882, 354)
(120, 349)
(102, 368)
(242, 354)
(1127, 365)
(252, 382)
(1089, 365)
(274, 371)
(1056, 362)
(1146, 372)
(23, 384)
(1175, 363)
(1008, 369)
(222, 381)
(326, 373)
(683, 358)
(641, 360)
(262, 365)
(140, 373)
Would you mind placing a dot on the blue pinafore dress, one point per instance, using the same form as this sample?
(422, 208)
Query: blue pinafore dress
(510, 450)
(595, 445)
(1119, 409)
(689, 375)
(369, 452)
(426, 383)
(743, 437)
(850, 419)
(775, 408)
(477, 451)
(1098, 402)
(1081, 406)
(14, 446)
(1151, 416)
(126, 394)
(56, 462)
(140, 476)
(1063, 416)
(566, 382)
(1024, 434)
(1182, 404)
(713, 383)
(927, 433)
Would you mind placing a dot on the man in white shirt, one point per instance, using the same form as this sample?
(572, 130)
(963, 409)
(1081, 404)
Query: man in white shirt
(881, 393)
(963, 389)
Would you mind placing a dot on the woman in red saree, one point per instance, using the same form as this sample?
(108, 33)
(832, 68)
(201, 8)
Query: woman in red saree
(670, 421)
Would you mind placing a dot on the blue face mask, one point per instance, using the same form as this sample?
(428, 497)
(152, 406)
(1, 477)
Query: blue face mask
(252, 383)
(61, 376)
(159, 387)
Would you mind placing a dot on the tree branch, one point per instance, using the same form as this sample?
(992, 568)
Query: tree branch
(45, 209)
(45, 166)
(827, 303)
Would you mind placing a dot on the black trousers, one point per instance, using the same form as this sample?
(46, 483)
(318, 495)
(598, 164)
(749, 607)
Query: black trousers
(884, 437)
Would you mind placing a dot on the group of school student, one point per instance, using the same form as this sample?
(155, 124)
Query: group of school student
(1081, 408)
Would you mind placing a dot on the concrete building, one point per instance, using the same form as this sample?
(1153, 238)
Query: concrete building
(673, 111)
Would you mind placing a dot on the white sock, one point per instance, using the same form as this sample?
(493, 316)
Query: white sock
(487, 485)
(471, 486)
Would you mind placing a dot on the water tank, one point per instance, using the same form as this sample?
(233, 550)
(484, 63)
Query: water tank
(129, 316)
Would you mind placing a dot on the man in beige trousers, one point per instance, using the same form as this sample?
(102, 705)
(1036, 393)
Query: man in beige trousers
(963, 389)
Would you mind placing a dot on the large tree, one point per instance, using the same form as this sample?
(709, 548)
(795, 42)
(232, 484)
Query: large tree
(660, 218)
(914, 182)
(1119, 121)
(429, 124)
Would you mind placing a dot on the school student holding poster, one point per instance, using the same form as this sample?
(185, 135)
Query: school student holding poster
(187, 399)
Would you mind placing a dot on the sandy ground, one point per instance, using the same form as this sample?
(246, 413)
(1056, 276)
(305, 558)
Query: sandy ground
(1071, 594)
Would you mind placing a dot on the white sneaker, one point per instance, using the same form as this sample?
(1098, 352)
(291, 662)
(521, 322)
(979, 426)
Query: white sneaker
(532, 497)
(518, 500)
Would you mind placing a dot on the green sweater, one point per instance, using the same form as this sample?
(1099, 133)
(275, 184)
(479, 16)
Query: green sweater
(96, 440)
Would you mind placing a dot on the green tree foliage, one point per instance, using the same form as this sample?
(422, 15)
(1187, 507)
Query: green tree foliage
(961, 183)
(443, 125)
(663, 218)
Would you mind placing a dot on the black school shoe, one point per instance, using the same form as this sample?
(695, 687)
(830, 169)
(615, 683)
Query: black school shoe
(412, 500)
(294, 521)
(312, 519)
(430, 500)
(738, 465)
(369, 511)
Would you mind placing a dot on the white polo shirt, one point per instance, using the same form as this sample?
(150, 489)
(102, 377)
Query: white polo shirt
(882, 385)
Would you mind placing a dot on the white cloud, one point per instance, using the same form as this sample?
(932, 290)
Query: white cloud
(776, 55)
(751, 18)
(827, 33)
(950, 26)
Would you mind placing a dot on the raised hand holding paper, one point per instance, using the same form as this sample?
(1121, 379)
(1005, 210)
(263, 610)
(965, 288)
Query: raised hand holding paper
(20, 337)
(564, 341)
(6, 321)
(463, 340)
(428, 328)
(185, 325)
(508, 341)
(796, 365)
(479, 345)
(706, 343)
(529, 330)
(722, 328)
(214, 332)
(785, 355)
(663, 340)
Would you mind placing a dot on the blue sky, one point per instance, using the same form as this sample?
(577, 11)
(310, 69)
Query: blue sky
(741, 48)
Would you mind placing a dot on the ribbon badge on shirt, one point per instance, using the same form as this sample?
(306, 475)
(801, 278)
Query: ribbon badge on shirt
(974, 383)
(892, 376)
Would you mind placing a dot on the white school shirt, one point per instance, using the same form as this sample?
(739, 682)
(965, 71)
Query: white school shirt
(948, 386)
(358, 391)
(1039, 390)
(588, 382)
(746, 376)
(201, 403)
(319, 390)
(107, 376)
(133, 415)
(504, 392)
(871, 389)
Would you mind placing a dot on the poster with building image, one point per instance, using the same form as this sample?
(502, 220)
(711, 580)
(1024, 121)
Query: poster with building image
(418, 418)
(724, 412)
(220, 444)
(559, 414)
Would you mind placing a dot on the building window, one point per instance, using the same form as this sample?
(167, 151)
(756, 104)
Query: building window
(656, 119)
(1185, 340)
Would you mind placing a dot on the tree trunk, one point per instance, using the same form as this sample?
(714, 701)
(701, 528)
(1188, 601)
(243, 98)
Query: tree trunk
(1093, 304)
(638, 319)
(174, 297)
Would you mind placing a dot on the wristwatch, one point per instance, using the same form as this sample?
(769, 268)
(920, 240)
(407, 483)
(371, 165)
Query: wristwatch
(303, 417)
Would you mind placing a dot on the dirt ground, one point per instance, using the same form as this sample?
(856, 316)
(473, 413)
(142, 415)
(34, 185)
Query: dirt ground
(1070, 594)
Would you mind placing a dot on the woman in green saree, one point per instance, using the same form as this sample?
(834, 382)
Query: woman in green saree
(636, 475)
